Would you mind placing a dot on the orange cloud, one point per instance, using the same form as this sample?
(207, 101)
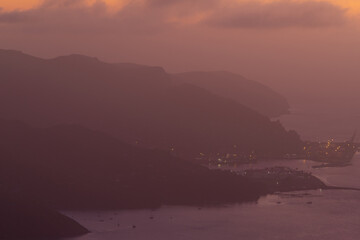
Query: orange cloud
(279, 14)
(219, 13)
(353, 6)
(18, 4)
(10, 5)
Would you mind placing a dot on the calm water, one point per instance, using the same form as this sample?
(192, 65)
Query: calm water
(304, 215)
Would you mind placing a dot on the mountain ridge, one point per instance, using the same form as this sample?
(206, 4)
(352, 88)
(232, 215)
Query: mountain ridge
(135, 104)
(234, 86)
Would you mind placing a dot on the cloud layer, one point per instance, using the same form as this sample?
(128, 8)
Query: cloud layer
(279, 15)
(156, 15)
(13, 17)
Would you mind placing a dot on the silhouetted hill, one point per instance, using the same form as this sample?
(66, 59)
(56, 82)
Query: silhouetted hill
(244, 91)
(24, 219)
(134, 103)
(73, 167)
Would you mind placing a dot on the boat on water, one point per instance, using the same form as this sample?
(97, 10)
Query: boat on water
(331, 152)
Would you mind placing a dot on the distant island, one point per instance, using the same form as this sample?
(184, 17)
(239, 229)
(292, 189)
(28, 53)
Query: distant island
(143, 105)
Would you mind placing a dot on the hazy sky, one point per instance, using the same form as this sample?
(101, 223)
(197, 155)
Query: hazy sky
(299, 46)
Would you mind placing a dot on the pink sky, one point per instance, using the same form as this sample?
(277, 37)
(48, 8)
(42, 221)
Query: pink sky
(295, 46)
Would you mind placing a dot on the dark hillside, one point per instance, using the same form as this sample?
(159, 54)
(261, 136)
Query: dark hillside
(134, 103)
(73, 167)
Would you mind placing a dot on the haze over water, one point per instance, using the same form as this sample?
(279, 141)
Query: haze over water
(81, 104)
(321, 214)
(323, 121)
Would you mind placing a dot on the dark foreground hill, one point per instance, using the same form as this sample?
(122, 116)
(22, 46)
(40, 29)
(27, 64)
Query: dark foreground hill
(70, 167)
(244, 91)
(22, 219)
(134, 103)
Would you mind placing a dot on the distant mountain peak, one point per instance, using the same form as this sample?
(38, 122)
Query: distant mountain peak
(8, 54)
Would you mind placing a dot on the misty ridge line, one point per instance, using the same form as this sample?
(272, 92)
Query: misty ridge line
(222, 83)
(191, 112)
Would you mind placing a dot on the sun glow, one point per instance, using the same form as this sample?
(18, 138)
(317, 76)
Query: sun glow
(353, 6)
